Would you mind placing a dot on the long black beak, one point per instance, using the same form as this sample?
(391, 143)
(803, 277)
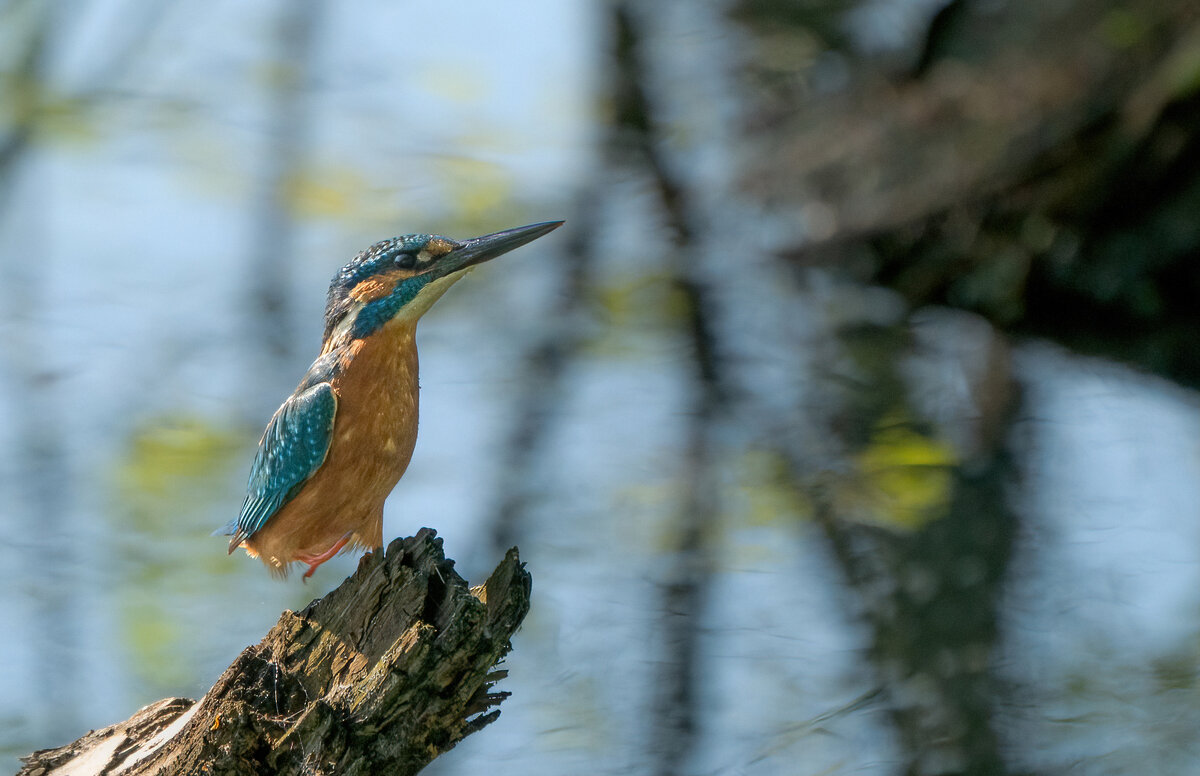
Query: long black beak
(480, 249)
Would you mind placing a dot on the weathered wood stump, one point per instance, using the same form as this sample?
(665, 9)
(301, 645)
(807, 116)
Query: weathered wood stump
(382, 675)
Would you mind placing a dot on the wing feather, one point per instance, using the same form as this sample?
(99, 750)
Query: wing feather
(291, 450)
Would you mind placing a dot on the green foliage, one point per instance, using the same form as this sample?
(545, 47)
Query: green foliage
(1177, 671)
(1182, 69)
(172, 488)
(633, 306)
(173, 453)
(1124, 27)
(454, 82)
(767, 491)
(479, 190)
(327, 192)
(902, 479)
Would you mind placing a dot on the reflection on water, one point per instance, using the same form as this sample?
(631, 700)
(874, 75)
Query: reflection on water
(131, 334)
(1100, 632)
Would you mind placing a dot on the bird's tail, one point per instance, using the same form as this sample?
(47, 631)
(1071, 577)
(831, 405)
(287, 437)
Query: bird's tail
(231, 529)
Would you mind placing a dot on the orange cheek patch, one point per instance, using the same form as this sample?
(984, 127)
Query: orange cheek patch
(372, 288)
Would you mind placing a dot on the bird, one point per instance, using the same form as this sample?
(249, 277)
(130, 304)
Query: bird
(334, 450)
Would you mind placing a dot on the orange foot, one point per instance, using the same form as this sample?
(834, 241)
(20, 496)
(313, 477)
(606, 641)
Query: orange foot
(316, 560)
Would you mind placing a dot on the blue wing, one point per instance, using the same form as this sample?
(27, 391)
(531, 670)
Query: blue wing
(292, 448)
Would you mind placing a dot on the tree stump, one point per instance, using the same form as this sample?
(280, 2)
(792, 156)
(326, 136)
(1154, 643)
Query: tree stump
(382, 675)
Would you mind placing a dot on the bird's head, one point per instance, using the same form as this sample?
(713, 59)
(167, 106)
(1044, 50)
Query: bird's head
(402, 277)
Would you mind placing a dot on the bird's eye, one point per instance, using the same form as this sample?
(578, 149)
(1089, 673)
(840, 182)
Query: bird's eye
(405, 260)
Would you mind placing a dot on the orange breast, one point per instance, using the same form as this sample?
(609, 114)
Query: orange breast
(374, 433)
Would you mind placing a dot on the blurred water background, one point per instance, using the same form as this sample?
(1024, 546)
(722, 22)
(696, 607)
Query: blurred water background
(178, 183)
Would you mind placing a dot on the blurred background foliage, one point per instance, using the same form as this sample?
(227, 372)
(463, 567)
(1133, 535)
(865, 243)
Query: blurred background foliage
(848, 426)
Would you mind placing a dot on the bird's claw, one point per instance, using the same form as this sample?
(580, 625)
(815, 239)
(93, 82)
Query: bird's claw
(316, 560)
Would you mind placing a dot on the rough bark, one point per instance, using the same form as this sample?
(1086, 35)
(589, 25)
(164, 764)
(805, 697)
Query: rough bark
(382, 675)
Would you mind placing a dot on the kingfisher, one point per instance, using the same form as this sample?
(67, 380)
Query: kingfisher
(338, 445)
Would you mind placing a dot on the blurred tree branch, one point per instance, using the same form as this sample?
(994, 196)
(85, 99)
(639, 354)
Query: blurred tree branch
(28, 90)
(927, 576)
(1040, 167)
(1044, 171)
(29, 83)
(1001, 174)
(635, 140)
(546, 360)
(383, 674)
(287, 139)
